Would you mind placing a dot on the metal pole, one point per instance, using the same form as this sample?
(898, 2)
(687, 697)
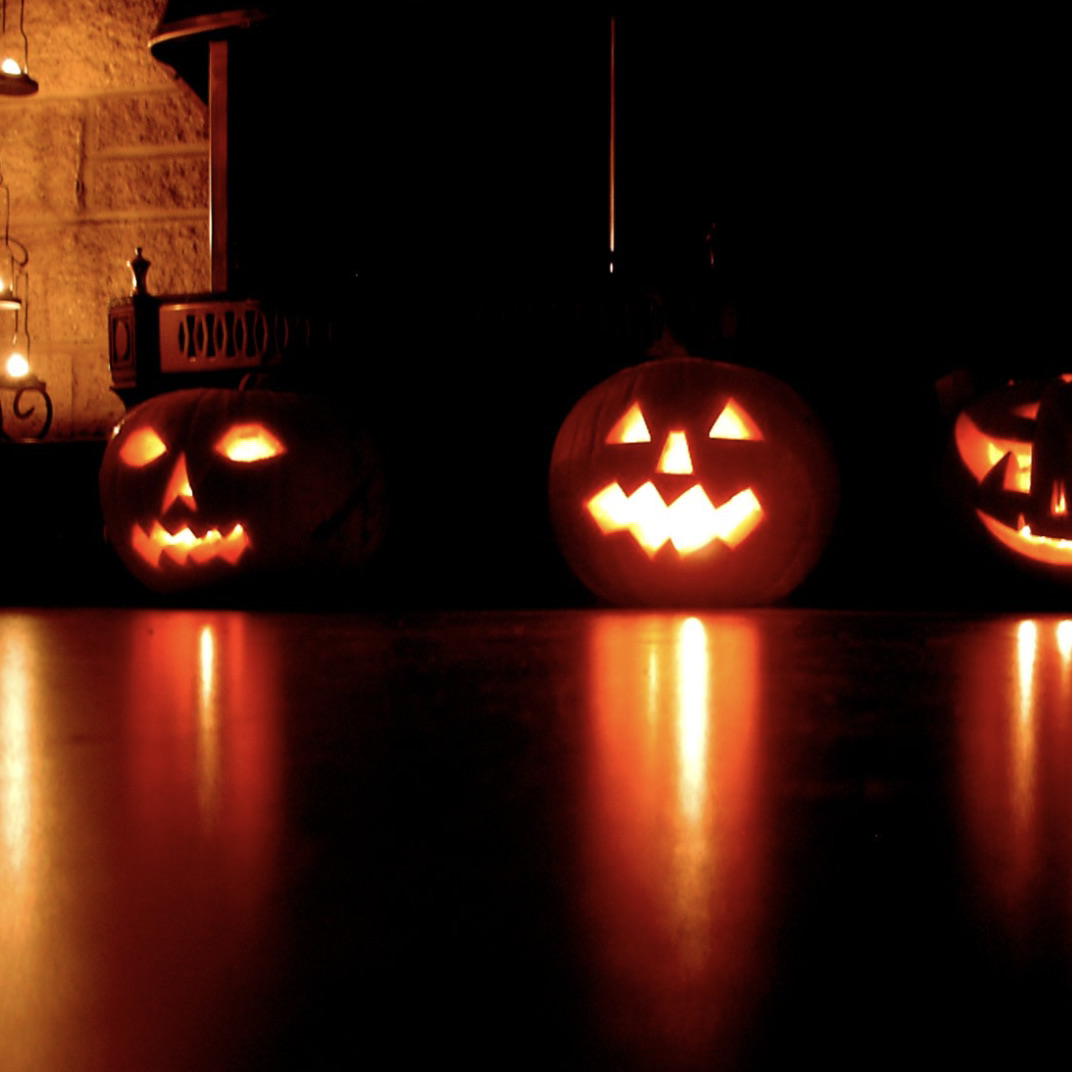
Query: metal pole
(218, 171)
(613, 137)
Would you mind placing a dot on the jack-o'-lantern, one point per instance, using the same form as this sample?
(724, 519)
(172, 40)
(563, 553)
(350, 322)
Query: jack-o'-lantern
(684, 481)
(1016, 443)
(201, 487)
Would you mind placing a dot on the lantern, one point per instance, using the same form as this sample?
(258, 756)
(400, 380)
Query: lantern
(684, 481)
(1016, 444)
(205, 486)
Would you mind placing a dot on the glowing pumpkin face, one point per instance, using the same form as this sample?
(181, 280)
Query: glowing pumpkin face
(200, 487)
(1017, 445)
(685, 481)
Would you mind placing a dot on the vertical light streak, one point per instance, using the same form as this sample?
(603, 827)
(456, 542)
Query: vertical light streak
(1026, 657)
(27, 945)
(654, 681)
(692, 718)
(613, 134)
(16, 771)
(1024, 757)
(674, 869)
(1064, 641)
(208, 729)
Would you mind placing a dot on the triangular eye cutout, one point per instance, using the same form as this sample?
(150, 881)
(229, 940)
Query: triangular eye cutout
(249, 443)
(630, 427)
(142, 447)
(734, 423)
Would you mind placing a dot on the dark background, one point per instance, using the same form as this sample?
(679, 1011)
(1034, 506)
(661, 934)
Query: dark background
(873, 195)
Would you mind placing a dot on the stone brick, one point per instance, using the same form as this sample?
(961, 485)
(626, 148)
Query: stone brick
(42, 152)
(157, 184)
(95, 408)
(110, 155)
(85, 47)
(76, 272)
(150, 119)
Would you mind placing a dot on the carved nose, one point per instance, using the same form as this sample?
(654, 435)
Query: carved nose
(178, 487)
(675, 457)
(1058, 499)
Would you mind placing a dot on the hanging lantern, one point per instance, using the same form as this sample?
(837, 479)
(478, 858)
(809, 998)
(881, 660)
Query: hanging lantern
(1016, 446)
(684, 481)
(13, 254)
(15, 80)
(203, 487)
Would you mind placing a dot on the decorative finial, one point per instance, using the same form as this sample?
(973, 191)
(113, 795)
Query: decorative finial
(139, 268)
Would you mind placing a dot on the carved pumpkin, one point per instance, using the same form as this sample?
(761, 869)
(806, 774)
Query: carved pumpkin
(205, 486)
(1016, 443)
(684, 481)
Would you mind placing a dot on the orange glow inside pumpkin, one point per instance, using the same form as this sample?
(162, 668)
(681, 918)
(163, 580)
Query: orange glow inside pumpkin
(185, 545)
(178, 487)
(981, 453)
(249, 443)
(691, 521)
(242, 443)
(1049, 549)
(675, 457)
(142, 447)
(734, 423)
(630, 427)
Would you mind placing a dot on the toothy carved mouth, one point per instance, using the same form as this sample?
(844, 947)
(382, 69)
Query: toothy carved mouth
(1050, 549)
(185, 544)
(689, 523)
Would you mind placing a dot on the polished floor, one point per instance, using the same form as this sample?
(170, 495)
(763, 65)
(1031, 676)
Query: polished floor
(580, 839)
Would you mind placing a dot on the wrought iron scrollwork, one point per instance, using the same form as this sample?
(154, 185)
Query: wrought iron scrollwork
(24, 409)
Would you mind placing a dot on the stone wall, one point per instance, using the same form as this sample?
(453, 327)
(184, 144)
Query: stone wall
(110, 154)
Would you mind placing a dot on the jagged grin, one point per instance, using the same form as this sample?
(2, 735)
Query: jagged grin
(690, 522)
(1051, 549)
(186, 545)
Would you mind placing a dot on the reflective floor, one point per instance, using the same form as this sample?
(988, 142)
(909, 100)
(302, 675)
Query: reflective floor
(291, 841)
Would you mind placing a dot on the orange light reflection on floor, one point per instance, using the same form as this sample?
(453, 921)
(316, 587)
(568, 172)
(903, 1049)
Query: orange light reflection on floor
(29, 933)
(1017, 772)
(204, 768)
(677, 867)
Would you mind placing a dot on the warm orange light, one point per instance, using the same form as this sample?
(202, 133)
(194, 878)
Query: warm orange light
(11, 66)
(178, 487)
(142, 447)
(17, 661)
(689, 523)
(249, 443)
(980, 453)
(185, 544)
(1064, 640)
(734, 423)
(676, 855)
(17, 366)
(694, 713)
(1058, 501)
(1049, 549)
(208, 725)
(675, 457)
(630, 427)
